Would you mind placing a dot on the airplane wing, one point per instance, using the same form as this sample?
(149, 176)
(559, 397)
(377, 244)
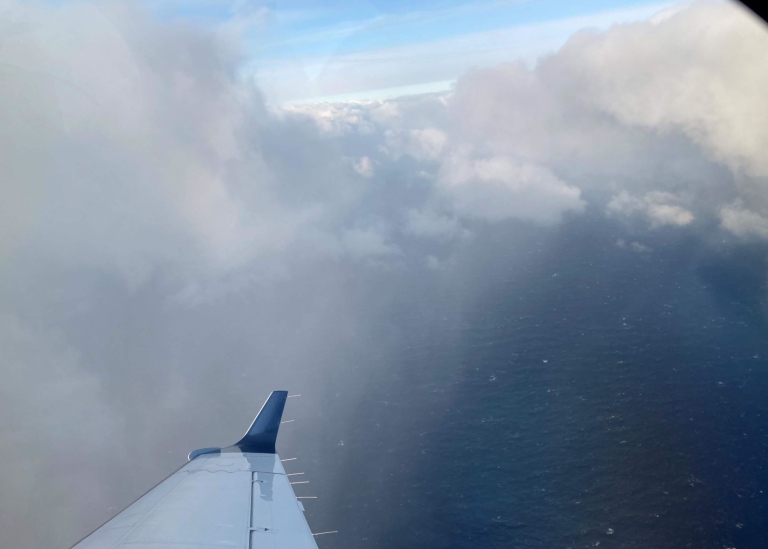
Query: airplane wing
(237, 497)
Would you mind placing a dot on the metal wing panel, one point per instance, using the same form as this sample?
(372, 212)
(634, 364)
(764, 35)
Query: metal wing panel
(230, 500)
(110, 534)
(277, 518)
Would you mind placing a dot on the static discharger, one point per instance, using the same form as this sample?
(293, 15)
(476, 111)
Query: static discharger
(301, 482)
(293, 474)
(286, 421)
(288, 459)
(306, 497)
(328, 532)
(293, 396)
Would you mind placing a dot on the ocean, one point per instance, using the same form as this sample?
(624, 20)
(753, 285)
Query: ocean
(570, 387)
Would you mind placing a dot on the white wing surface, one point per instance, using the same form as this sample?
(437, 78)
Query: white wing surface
(237, 498)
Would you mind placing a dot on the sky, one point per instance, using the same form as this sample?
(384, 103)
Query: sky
(304, 52)
(180, 210)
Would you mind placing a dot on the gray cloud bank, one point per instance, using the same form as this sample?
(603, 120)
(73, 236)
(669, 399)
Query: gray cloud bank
(653, 119)
(163, 229)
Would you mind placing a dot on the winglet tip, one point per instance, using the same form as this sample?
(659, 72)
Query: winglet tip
(200, 451)
(262, 434)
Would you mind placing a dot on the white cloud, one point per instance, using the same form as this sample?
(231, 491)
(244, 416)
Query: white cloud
(658, 207)
(148, 152)
(648, 109)
(430, 224)
(175, 165)
(336, 119)
(500, 188)
(743, 222)
(668, 214)
(368, 243)
(634, 246)
(364, 167)
(422, 144)
(641, 107)
(699, 71)
(169, 161)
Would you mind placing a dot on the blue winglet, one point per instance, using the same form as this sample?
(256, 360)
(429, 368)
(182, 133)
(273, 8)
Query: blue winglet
(262, 434)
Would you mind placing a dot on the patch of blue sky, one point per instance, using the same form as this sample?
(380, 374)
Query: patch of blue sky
(301, 28)
(303, 51)
(365, 25)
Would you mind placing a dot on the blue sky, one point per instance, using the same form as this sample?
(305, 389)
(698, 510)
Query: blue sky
(306, 51)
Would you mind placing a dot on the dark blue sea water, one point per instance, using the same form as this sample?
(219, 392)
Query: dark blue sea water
(550, 388)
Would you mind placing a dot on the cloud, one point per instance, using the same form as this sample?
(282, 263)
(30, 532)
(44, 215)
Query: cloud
(647, 114)
(500, 188)
(658, 208)
(334, 118)
(634, 246)
(368, 242)
(127, 143)
(171, 163)
(150, 152)
(422, 144)
(666, 105)
(679, 73)
(364, 167)
(430, 224)
(743, 222)
(46, 399)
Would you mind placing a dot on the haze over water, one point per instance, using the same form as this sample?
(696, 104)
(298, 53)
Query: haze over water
(571, 398)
